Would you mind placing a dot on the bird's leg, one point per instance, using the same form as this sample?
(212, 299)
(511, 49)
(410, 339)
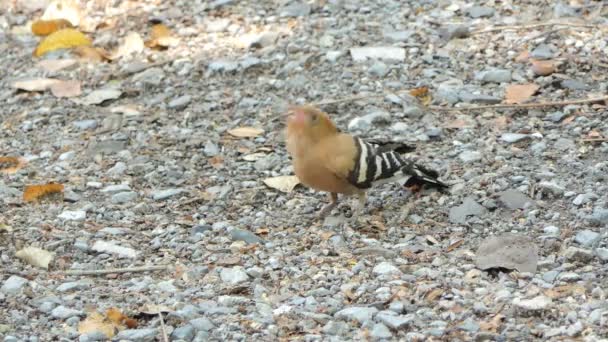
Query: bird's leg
(361, 198)
(333, 201)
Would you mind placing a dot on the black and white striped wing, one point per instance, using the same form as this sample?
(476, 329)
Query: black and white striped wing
(374, 166)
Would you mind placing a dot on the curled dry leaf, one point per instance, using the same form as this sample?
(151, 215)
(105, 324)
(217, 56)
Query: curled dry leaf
(35, 256)
(519, 93)
(36, 84)
(92, 54)
(62, 39)
(543, 68)
(10, 165)
(46, 27)
(69, 88)
(245, 132)
(282, 183)
(132, 44)
(161, 37)
(63, 9)
(33, 193)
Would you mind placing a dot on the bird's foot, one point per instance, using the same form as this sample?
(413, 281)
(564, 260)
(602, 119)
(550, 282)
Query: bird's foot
(325, 211)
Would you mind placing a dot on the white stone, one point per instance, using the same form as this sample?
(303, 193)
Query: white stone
(77, 215)
(390, 53)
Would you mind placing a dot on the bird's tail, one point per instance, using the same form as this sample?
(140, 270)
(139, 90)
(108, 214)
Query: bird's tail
(394, 167)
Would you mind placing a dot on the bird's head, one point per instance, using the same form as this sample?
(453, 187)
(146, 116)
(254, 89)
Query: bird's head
(310, 122)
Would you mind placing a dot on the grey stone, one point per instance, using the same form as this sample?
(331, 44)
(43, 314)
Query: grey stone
(335, 328)
(551, 188)
(543, 51)
(361, 314)
(398, 36)
(249, 62)
(118, 169)
(211, 149)
(223, 66)
(75, 285)
(574, 85)
(124, 197)
(378, 69)
(93, 336)
(380, 331)
(185, 333)
(112, 248)
(537, 303)
(480, 12)
(62, 312)
(469, 97)
(586, 238)
(180, 102)
(569, 277)
(511, 251)
(394, 321)
(375, 250)
(159, 195)
(13, 285)
(514, 199)
(234, 275)
(469, 325)
(551, 230)
(449, 91)
(107, 147)
(76, 215)
(494, 76)
(139, 335)
(84, 125)
(550, 276)
(116, 188)
(563, 144)
(297, 9)
(602, 253)
(387, 53)
(469, 207)
(454, 31)
(556, 116)
(202, 324)
(578, 254)
(575, 329)
(470, 156)
(412, 112)
(513, 137)
(151, 76)
(599, 216)
(385, 268)
(364, 123)
(245, 235)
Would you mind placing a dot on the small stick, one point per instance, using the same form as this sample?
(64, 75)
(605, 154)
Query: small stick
(595, 140)
(524, 105)
(525, 27)
(348, 99)
(117, 270)
(162, 327)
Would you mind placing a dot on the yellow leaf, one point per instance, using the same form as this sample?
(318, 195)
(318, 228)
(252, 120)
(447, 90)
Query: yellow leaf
(46, 27)
(35, 192)
(161, 36)
(62, 39)
(96, 323)
(282, 183)
(245, 132)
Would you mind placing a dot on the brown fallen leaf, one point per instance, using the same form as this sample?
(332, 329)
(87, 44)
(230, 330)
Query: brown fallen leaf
(455, 245)
(434, 295)
(33, 193)
(423, 94)
(282, 183)
(522, 57)
(35, 256)
(46, 27)
(245, 132)
(10, 165)
(62, 39)
(216, 161)
(161, 37)
(519, 93)
(92, 54)
(69, 88)
(543, 68)
(132, 44)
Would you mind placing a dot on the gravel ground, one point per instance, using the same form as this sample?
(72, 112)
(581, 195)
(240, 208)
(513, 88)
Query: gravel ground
(152, 176)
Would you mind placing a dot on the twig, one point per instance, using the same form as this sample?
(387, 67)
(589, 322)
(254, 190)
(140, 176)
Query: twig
(525, 27)
(117, 270)
(524, 105)
(162, 327)
(348, 99)
(595, 140)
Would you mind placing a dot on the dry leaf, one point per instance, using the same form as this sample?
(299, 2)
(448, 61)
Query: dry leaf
(455, 245)
(35, 256)
(419, 92)
(161, 37)
(36, 84)
(35, 192)
(132, 44)
(54, 65)
(46, 27)
(93, 54)
(492, 325)
(245, 132)
(434, 294)
(66, 88)
(63, 9)
(565, 291)
(96, 322)
(543, 68)
(326, 235)
(216, 161)
(282, 183)
(519, 93)
(62, 39)
(522, 57)
(10, 165)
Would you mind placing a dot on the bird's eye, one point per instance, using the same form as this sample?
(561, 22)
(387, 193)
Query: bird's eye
(314, 118)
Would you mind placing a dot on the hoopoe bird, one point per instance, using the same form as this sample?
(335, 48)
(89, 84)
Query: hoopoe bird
(326, 159)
